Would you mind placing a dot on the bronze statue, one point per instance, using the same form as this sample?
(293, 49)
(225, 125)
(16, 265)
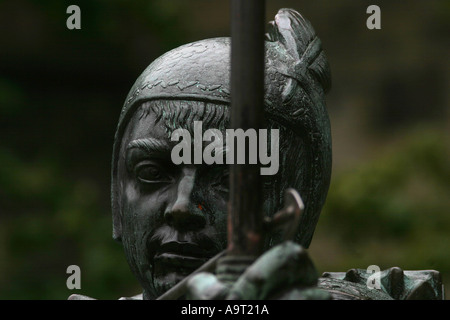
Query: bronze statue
(171, 219)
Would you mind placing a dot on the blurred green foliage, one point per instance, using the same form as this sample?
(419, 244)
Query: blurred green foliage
(400, 191)
(392, 210)
(54, 222)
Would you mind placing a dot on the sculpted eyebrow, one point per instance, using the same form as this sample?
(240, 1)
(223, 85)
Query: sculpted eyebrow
(149, 145)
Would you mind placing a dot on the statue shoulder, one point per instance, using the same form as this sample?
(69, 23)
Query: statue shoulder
(392, 283)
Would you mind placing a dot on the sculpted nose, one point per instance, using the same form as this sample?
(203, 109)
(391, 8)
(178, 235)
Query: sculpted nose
(184, 214)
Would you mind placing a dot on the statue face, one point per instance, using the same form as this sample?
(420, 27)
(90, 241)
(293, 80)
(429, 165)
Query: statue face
(173, 217)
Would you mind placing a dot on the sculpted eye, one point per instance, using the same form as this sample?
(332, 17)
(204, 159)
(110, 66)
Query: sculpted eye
(151, 174)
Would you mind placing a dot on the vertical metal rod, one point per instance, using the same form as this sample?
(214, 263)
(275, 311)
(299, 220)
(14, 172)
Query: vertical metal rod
(245, 216)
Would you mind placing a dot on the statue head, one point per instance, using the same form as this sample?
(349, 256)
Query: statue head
(172, 218)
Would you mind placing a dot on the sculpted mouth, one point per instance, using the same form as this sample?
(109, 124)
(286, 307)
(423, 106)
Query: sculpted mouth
(176, 260)
(179, 256)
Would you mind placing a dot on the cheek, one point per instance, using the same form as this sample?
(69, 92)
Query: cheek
(217, 209)
(142, 216)
(142, 213)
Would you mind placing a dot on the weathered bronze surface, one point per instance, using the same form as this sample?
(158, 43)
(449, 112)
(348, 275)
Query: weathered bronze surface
(166, 214)
(171, 219)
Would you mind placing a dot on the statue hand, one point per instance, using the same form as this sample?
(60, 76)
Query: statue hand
(283, 272)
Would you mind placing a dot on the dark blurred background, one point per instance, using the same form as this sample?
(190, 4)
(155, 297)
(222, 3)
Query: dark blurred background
(61, 92)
